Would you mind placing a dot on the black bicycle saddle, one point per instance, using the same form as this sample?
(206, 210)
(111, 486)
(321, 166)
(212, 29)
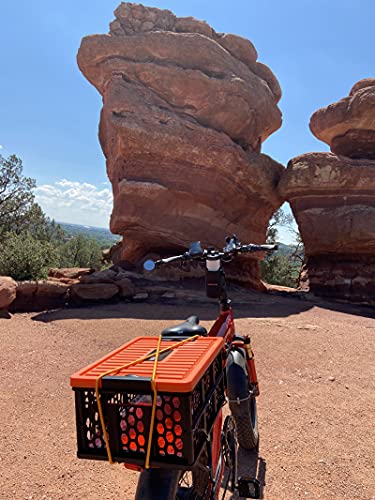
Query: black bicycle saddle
(188, 328)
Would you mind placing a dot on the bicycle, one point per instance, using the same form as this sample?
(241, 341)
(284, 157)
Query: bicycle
(212, 449)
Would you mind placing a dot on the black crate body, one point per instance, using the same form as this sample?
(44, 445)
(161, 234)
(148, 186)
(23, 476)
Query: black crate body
(182, 420)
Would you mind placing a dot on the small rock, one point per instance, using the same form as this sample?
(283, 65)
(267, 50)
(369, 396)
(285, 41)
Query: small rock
(141, 296)
(289, 395)
(331, 378)
(307, 327)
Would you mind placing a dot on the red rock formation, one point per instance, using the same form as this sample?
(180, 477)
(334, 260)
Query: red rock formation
(185, 110)
(333, 198)
(8, 289)
(348, 126)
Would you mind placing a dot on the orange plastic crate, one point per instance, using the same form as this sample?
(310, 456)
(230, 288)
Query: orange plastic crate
(190, 385)
(179, 370)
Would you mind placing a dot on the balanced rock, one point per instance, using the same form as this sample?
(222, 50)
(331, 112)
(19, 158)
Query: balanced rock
(185, 111)
(8, 289)
(333, 199)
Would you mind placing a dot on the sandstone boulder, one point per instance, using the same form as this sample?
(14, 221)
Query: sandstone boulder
(348, 125)
(185, 111)
(69, 272)
(93, 291)
(127, 289)
(8, 289)
(40, 295)
(105, 276)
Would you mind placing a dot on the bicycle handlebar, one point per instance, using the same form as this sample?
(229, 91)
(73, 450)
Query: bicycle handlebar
(233, 248)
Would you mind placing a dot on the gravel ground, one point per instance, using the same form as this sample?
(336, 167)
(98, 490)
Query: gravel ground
(316, 409)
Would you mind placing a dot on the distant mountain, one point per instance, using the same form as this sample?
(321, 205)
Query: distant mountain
(101, 234)
(286, 249)
(106, 239)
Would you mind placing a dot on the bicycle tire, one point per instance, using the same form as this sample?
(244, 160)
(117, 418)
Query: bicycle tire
(157, 484)
(242, 405)
(166, 484)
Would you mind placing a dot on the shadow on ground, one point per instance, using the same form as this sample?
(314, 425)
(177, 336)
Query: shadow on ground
(255, 306)
(246, 304)
(251, 466)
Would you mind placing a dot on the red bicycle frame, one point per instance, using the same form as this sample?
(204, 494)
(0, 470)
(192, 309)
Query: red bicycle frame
(224, 327)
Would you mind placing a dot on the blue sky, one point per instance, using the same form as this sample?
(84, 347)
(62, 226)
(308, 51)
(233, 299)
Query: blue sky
(49, 113)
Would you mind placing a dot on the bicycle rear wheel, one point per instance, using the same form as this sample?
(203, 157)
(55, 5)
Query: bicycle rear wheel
(164, 484)
(195, 484)
(157, 484)
(241, 401)
(247, 425)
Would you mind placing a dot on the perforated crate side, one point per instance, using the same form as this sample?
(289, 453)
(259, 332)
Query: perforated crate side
(179, 422)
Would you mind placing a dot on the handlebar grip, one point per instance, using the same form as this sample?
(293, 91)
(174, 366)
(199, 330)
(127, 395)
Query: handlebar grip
(168, 260)
(258, 248)
(269, 247)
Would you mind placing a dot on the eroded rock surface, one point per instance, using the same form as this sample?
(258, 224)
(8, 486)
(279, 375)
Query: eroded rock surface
(348, 126)
(333, 199)
(185, 111)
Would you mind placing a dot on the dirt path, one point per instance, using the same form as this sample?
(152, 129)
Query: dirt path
(316, 409)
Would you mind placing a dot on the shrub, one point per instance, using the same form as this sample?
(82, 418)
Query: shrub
(280, 269)
(80, 251)
(25, 258)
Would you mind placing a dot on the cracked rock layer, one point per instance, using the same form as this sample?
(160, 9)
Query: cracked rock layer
(333, 201)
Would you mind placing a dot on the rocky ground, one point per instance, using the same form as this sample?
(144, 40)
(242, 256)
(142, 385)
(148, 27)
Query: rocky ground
(316, 409)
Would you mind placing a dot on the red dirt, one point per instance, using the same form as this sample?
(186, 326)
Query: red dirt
(316, 407)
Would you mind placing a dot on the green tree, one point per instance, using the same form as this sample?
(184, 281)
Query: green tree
(23, 257)
(18, 211)
(279, 218)
(278, 269)
(80, 251)
(39, 226)
(16, 196)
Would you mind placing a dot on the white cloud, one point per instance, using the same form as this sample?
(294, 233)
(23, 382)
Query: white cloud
(76, 202)
(1, 147)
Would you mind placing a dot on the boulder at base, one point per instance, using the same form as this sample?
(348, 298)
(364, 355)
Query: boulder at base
(40, 295)
(93, 291)
(8, 289)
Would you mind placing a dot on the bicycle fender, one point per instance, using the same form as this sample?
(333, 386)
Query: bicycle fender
(158, 484)
(237, 380)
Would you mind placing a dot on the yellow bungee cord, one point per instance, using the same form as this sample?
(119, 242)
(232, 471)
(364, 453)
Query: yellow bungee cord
(153, 387)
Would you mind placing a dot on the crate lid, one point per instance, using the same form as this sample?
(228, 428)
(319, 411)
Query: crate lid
(178, 371)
